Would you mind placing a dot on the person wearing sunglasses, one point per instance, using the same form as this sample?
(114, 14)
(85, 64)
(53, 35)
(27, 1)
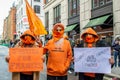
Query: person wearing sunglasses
(59, 54)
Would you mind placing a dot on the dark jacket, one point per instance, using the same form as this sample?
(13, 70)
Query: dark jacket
(116, 47)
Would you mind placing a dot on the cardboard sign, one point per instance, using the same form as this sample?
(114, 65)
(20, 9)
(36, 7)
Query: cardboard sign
(25, 59)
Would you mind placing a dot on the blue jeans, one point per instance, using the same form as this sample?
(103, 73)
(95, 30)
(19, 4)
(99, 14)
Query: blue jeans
(116, 56)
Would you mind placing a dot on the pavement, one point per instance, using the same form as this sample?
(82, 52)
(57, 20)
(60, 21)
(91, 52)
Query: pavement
(43, 76)
(116, 70)
(114, 75)
(6, 75)
(72, 76)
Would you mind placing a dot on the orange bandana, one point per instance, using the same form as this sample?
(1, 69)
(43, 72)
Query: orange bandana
(57, 35)
(28, 40)
(89, 39)
(58, 31)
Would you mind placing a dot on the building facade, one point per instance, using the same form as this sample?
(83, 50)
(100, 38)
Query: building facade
(116, 21)
(65, 12)
(9, 26)
(55, 11)
(101, 15)
(21, 16)
(5, 27)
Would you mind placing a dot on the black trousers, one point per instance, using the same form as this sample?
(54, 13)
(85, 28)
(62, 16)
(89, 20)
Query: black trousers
(26, 77)
(56, 77)
(98, 76)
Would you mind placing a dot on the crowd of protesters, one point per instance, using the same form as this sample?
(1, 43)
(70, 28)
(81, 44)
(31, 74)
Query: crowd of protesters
(60, 52)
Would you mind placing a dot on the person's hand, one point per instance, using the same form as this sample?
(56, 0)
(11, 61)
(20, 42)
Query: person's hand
(116, 42)
(43, 58)
(72, 59)
(7, 58)
(39, 42)
(111, 60)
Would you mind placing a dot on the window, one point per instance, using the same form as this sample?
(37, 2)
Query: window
(98, 3)
(37, 0)
(95, 3)
(27, 27)
(46, 1)
(21, 11)
(108, 1)
(78, 6)
(21, 2)
(57, 14)
(37, 9)
(47, 20)
(73, 8)
(102, 2)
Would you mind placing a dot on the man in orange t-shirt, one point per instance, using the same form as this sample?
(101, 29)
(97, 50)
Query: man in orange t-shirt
(59, 54)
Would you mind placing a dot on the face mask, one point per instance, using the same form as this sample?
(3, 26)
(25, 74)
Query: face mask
(58, 34)
(89, 39)
(28, 40)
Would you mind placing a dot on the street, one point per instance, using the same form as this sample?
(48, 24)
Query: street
(6, 75)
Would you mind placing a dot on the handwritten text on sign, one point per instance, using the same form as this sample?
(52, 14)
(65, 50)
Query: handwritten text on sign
(25, 59)
(94, 60)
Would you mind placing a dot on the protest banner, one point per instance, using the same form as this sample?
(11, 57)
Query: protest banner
(25, 59)
(94, 60)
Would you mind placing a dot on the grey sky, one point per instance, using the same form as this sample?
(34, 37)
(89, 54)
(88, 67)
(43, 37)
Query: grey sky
(4, 10)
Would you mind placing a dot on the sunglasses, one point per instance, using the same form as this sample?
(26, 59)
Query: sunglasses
(59, 30)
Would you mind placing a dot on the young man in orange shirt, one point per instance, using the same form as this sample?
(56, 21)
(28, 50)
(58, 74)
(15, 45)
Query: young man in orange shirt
(59, 56)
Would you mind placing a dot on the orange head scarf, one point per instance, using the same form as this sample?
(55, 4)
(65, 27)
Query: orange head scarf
(27, 37)
(89, 36)
(58, 31)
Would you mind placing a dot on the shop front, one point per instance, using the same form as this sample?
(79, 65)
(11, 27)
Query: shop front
(73, 31)
(103, 25)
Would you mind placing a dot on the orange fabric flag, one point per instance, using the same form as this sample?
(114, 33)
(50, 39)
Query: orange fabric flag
(36, 25)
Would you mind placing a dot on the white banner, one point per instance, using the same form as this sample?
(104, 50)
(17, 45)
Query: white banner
(94, 60)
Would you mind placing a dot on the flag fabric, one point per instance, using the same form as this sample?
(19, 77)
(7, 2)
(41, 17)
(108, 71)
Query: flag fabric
(36, 25)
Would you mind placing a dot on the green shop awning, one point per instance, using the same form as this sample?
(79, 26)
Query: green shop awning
(70, 27)
(97, 21)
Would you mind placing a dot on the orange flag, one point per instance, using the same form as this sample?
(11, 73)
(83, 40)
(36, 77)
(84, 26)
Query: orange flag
(36, 25)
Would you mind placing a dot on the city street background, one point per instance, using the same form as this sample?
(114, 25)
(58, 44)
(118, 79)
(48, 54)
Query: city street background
(6, 75)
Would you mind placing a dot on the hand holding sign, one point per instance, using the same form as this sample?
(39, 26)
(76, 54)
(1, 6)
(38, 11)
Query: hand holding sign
(94, 60)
